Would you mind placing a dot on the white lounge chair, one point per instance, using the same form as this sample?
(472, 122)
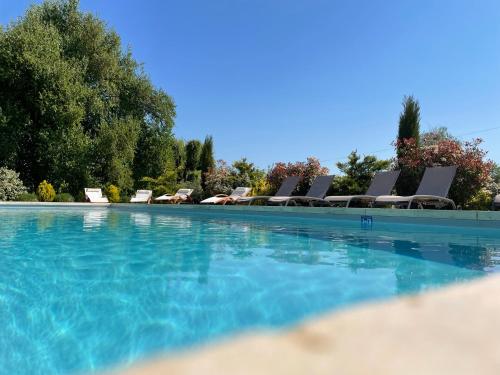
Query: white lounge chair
(94, 195)
(182, 195)
(142, 196)
(236, 194)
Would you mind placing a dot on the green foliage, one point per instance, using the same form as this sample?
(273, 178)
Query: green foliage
(482, 200)
(197, 195)
(64, 197)
(75, 107)
(112, 192)
(409, 120)
(261, 187)
(45, 192)
(166, 183)
(27, 197)
(222, 179)
(179, 154)
(434, 136)
(249, 175)
(207, 160)
(114, 151)
(193, 151)
(11, 187)
(358, 173)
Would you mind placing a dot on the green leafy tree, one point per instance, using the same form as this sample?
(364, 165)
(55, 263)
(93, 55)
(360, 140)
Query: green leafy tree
(114, 151)
(434, 136)
(64, 80)
(248, 174)
(409, 120)
(358, 173)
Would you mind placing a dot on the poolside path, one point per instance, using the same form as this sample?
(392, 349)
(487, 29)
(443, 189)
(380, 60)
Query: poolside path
(455, 330)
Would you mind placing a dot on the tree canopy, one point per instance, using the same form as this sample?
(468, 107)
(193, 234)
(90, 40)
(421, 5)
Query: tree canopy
(75, 107)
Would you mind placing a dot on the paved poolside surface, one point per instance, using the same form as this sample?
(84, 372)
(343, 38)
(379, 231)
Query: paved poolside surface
(454, 330)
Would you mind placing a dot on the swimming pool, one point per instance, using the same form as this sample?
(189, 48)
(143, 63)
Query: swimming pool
(85, 289)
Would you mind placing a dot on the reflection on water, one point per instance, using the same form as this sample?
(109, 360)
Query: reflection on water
(85, 289)
(141, 219)
(94, 218)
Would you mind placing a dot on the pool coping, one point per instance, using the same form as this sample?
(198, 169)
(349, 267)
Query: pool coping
(451, 330)
(491, 218)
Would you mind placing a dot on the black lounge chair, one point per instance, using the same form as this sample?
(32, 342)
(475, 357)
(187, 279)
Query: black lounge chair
(382, 184)
(316, 193)
(286, 189)
(433, 190)
(496, 202)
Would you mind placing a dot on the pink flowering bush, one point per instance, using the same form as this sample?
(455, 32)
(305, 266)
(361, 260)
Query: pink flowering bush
(308, 171)
(473, 172)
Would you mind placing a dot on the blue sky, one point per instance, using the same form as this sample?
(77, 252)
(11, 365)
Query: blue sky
(280, 80)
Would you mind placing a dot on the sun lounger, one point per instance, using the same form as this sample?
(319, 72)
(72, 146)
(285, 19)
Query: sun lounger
(496, 202)
(223, 199)
(316, 193)
(182, 195)
(142, 196)
(94, 195)
(382, 184)
(286, 189)
(432, 191)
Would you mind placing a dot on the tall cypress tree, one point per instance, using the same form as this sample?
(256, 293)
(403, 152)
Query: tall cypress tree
(409, 127)
(193, 150)
(207, 160)
(409, 119)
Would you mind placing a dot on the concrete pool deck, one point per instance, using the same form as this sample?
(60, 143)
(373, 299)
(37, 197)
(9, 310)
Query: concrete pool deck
(454, 330)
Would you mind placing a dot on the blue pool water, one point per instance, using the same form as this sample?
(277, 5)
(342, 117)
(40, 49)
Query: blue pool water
(86, 289)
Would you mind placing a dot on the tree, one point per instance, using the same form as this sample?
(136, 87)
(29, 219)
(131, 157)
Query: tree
(358, 173)
(193, 151)
(434, 136)
(64, 80)
(207, 160)
(179, 152)
(409, 120)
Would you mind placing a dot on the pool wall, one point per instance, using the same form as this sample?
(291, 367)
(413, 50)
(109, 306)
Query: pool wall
(368, 216)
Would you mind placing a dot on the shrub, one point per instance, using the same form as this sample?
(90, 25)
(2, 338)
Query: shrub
(222, 179)
(11, 187)
(218, 180)
(308, 171)
(473, 172)
(27, 197)
(358, 174)
(45, 192)
(261, 187)
(197, 194)
(113, 193)
(64, 197)
(482, 200)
